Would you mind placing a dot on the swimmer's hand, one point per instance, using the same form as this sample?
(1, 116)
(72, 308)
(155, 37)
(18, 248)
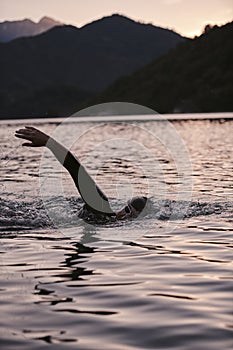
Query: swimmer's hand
(36, 137)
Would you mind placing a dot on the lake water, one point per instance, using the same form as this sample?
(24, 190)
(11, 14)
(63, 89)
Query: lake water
(162, 281)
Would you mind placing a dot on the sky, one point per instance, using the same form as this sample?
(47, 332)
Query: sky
(187, 17)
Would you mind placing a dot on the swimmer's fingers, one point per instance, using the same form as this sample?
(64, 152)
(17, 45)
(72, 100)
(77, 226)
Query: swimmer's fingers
(27, 144)
(28, 138)
(32, 130)
(30, 127)
(23, 136)
(26, 131)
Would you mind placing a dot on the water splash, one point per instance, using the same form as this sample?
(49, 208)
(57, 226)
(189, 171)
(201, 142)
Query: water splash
(14, 214)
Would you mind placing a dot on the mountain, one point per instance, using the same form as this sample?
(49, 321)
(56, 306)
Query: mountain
(15, 29)
(196, 76)
(83, 61)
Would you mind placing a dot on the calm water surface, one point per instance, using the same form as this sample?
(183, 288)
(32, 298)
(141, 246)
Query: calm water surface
(158, 282)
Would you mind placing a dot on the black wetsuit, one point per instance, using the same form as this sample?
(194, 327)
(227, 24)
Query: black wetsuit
(96, 207)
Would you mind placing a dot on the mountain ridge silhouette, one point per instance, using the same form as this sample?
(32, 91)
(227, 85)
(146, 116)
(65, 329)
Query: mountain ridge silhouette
(195, 76)
(70, 60)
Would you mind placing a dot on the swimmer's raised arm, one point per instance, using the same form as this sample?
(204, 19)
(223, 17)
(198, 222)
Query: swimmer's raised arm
(91, 194)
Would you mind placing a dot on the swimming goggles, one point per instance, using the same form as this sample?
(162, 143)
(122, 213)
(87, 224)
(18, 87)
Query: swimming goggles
(128, 209)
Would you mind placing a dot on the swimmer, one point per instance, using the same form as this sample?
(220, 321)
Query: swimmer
(96, 204)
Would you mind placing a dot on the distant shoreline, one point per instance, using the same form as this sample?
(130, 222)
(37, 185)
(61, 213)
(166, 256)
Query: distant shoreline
(122, 118)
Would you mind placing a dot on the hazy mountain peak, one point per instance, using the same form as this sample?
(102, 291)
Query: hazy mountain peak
(10, 30)
(49, 20)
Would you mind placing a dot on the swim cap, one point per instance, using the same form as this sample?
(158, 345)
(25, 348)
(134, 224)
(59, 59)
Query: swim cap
(138, 203)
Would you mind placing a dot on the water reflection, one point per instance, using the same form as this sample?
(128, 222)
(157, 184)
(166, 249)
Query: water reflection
(72, 261)
(101, 288)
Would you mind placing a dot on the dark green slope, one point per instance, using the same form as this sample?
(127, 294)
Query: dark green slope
(196, 76)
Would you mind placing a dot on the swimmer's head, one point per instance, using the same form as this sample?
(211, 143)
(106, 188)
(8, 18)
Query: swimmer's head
(133, 208)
